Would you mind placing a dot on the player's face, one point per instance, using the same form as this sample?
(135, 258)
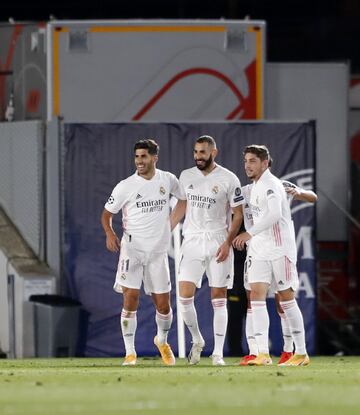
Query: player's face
(144, 162)
(204, 156)
(254, 167)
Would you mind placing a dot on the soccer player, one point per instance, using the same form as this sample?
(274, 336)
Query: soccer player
(144, 200)
(271, 256)
(293, 192)
(210, 192)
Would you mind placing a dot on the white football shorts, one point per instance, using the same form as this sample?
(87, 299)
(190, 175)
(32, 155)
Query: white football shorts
(137, 267)
(198, 256)
(280, 273)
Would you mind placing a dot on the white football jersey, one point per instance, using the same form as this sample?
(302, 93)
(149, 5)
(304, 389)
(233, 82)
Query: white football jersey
(145, 209)
(209, 199)
(248, 219)
(246, 192)
(279, 238)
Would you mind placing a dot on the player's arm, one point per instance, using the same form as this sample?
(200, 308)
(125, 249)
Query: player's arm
(112, 241)
(272, 215)
(301, 194)
(224, 249)
(177, 213)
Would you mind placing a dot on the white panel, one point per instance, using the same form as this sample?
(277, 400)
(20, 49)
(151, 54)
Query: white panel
(318, 91)
(190, 71)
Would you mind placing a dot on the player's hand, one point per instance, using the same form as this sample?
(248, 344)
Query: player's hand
(112, 242)
(240, 241)
(223, 252)
(293, 191)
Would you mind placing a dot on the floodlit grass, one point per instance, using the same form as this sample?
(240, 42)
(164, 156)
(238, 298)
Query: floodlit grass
(330, 385)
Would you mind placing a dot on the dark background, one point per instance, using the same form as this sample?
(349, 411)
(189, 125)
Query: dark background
(298, 30)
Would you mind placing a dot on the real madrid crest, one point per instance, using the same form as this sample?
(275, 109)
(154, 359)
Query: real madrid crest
(162, 190)
(215, 190)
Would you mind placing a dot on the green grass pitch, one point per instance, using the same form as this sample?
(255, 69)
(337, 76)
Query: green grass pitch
(330, 385)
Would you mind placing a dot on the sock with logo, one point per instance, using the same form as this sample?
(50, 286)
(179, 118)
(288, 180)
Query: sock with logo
(219, 324)
(296, 323)
(249, 331)
(128, 322)
(261, 325)
(163, 322)
(188, 312)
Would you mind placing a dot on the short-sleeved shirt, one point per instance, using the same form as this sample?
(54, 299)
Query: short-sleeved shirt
(209, 199)
(246, 192)
(145, 209)
(279, 239)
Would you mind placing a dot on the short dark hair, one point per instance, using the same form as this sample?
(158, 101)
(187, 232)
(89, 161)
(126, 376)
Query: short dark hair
(206, 139)
(150, 145)
(260, 151)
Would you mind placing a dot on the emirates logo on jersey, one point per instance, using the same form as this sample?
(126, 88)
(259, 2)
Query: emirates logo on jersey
(162, 190)
(215, 190)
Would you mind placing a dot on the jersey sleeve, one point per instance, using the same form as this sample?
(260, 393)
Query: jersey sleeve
(273, 213)
(289, 185)
(235, 196)
(182, 193)
(117, 199)
(175, 189)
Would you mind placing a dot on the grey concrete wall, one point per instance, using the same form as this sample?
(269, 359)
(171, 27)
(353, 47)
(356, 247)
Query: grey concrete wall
(318, 91)
(21, 184)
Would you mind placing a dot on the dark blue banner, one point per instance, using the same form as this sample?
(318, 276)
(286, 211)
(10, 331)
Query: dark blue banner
(98, 156)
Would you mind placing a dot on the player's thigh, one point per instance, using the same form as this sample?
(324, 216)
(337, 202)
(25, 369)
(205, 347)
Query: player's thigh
(285, 274)
(246, 277)
(129, 271)
(157, 274)
(221, 274)
(192, 263)
(258, 270)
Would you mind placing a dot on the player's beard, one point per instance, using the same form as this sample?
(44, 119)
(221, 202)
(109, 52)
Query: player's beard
(206, 164)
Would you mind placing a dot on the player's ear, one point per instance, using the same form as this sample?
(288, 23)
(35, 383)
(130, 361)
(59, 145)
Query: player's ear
(214, 152)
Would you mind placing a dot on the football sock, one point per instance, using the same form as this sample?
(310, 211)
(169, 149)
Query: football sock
(286, 332)
(128, 328)
(296, 323)
(163, 322)
(219, 324)
(249, 331)
(189, 316)
(261, 325)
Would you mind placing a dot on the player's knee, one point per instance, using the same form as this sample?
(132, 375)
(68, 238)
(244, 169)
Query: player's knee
(131, 300)
(286, 295)
(279, 309)
(217, 293)
(163, 308)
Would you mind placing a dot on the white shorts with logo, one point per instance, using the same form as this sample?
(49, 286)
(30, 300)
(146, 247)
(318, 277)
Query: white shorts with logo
(280, 273)
(136, 267)
(198, 256)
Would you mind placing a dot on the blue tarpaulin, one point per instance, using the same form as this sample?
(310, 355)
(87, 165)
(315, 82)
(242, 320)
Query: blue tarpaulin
(98, 156)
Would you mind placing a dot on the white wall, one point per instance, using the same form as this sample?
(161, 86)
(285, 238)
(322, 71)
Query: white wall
(318, 91)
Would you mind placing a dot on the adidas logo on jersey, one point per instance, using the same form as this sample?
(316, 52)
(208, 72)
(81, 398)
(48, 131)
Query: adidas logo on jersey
(138, 196)
(191, 187)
